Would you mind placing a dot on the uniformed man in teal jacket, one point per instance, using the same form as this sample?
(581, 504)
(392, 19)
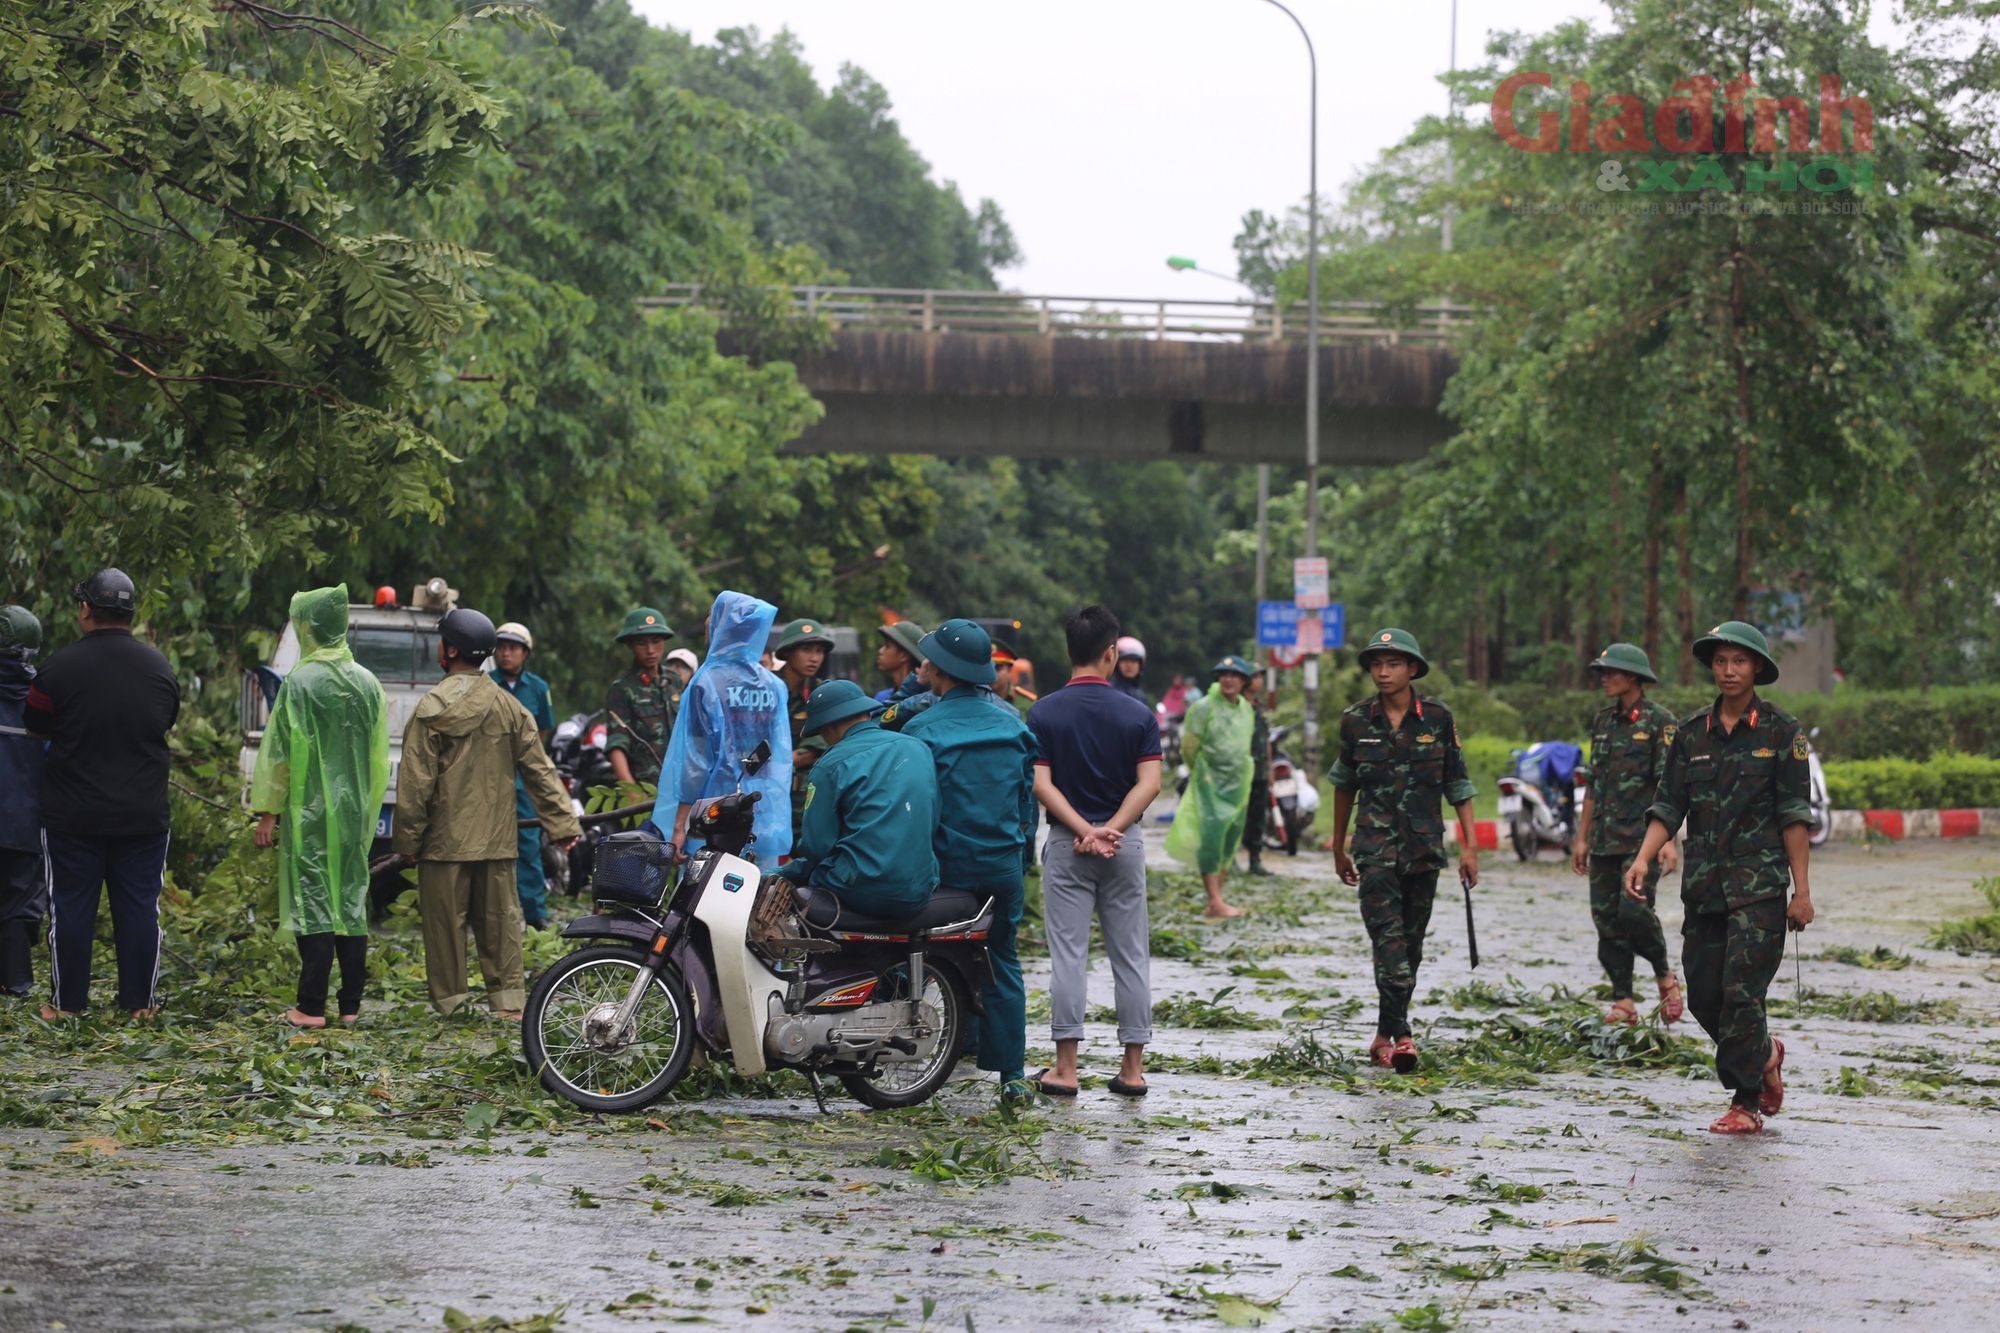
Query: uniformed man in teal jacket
(871, 809)
(985, 758)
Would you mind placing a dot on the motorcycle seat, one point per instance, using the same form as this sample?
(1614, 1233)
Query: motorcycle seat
(823, 908)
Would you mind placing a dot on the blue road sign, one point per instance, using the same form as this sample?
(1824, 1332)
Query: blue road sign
(1277, 624)
(1334, 622)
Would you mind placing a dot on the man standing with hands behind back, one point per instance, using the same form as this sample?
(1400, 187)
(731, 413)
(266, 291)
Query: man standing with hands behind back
(1098, 768)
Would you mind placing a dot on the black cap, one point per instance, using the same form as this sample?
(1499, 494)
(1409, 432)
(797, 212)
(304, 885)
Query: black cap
(469, 632)
(109, 590)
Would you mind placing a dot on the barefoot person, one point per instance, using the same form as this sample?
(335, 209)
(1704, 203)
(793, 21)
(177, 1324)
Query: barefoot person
(1628, 748)
(1736, 773)
(1215, 742)
(324, 765)
(1398, 758)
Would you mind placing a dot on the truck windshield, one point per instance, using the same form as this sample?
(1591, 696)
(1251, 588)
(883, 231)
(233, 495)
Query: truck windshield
(396, 656)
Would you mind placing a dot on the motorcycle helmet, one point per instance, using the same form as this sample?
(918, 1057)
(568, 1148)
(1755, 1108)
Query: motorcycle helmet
(108, 590)
(20, 632)
(469, 632)
(1128, 646)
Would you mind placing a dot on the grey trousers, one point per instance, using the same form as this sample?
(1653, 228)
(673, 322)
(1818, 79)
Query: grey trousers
(1115, 889)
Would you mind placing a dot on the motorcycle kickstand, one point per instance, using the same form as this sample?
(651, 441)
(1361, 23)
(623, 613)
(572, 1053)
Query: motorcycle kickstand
(819, 1094)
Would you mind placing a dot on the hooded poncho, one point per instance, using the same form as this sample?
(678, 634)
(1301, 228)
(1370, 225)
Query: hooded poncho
(323, 766)
(731, 704)
(1215, 739)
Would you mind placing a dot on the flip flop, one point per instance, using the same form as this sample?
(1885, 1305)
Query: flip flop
(1771, 1097)
(1124, 1089)
(1049, 1089)
(1672, 1006)
(1403, 1059)
(1738, 1120)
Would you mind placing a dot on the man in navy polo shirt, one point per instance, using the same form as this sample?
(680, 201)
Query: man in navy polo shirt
(1097, 771)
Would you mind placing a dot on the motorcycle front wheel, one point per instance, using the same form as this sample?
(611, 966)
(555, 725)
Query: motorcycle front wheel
(566, 1036)
(913, 1082)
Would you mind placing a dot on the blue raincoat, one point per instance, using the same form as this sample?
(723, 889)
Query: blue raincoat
(731, 704)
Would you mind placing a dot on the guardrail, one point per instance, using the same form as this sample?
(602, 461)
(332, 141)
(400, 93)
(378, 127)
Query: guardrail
(936, 311)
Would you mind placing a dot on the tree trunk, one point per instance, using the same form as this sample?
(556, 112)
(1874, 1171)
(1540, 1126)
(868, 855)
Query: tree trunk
(1617, 568)
(1686, 581)
(1738, 318)
(1652, 631)
(1496, 655)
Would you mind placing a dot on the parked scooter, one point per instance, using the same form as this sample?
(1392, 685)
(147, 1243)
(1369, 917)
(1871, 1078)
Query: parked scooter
(754, 970)
(1541, 797)
(1816, 796)
(1294, 799)
(577, 749)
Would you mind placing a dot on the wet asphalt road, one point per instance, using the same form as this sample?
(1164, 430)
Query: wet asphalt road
(1537, 1208)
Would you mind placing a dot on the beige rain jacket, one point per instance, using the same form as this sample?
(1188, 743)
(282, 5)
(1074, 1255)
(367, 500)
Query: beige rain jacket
(455, 792)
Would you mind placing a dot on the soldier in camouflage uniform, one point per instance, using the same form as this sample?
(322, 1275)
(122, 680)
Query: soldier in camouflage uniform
(801, 648)
(1399, 756)
(640, 708)
(1628, 748)
(1736, 773)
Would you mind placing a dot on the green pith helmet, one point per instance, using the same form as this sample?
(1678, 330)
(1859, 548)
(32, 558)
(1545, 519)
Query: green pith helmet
(907, 635)
(801, 631)
(1233, 663)
(835, 701)
(1629, 658)
(1740, 634)
(643, 620)
(20, 632)
(963, 650)
(1395, 641)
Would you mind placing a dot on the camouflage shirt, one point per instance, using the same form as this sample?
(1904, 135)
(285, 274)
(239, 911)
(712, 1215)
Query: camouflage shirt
(639, 717)
(1399, 777)
(1738, 791)
(1260, 744)
(1628, 750)
(802, 746)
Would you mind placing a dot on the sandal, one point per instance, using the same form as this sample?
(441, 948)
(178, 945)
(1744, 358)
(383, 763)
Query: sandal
(1381, 1052)
(1771, 1097)
(1738, 1120)
(1049, 1089)
(1124, 1089)
(1403, 1059)
(1672, 1006)
(1624, 1011)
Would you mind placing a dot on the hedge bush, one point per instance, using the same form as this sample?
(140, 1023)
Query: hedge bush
(1944, 782)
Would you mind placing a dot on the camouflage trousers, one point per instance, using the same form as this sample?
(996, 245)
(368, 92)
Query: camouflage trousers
(1396, 908)
(1625, 928)
(1730, 958)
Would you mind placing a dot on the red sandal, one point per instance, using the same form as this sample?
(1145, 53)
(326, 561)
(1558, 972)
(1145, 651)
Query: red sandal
(1404, 1058)
(1738, 1120)
(1672, 1006)
(1380, 1052)
(1624, 1011)
(1771, 1097)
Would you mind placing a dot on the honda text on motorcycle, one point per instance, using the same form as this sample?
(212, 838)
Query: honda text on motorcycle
(751, 970)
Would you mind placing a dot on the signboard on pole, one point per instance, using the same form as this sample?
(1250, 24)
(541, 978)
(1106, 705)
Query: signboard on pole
(1333, 621)
(1309, 582)
(1286, 657)
(1277, 624)
(1310, 640)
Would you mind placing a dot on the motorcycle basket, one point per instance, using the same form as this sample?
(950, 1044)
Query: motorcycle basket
(633, 867)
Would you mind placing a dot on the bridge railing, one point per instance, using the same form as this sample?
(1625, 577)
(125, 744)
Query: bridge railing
(937, 311)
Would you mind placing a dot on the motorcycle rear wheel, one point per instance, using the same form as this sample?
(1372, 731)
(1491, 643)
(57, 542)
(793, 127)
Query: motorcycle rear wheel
(597, 1078)
(1526, 841)
(892, 1086)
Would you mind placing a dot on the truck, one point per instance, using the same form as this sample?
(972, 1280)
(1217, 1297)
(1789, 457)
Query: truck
(399, 645)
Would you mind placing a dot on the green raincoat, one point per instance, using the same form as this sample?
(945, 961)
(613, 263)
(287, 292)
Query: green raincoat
(1215, 741)
(323, 767)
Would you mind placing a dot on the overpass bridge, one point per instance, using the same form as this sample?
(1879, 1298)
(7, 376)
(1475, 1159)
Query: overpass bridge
(996, 374)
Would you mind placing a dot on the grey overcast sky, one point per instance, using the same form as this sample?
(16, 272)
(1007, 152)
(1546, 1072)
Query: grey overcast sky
(1117, 132)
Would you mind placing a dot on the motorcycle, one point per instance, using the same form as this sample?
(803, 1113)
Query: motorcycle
(1294, 800)
(1816, 795)
(577, 749)
(754, 969)
(1538, 813)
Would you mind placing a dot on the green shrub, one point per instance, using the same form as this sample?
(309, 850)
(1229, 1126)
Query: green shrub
(1946, 781)
(1979, 934)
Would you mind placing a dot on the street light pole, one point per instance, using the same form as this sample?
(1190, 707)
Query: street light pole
(1312, 374)
(1451, 119)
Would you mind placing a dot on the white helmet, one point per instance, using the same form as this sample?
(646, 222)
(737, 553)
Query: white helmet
(1130, 647)
(515, 632)
(685, 657)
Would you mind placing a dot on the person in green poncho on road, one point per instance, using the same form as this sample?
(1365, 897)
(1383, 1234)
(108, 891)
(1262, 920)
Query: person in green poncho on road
(324, 766)
(1215, 742)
